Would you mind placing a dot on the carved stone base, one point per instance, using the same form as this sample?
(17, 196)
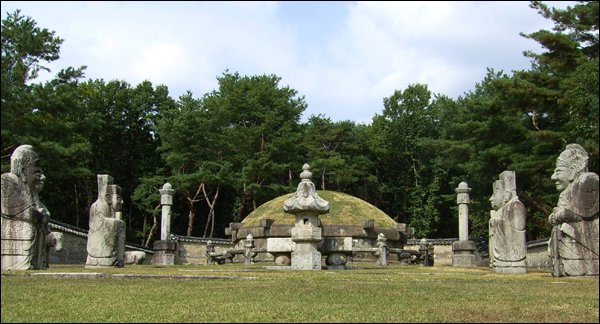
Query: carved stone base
(165, 253)
(463, 254)
(306, 260)
(513, 270)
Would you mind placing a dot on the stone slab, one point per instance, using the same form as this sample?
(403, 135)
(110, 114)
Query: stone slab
(279, 244)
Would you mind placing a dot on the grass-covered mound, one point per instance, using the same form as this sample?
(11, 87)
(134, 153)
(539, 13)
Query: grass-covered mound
(343, 210)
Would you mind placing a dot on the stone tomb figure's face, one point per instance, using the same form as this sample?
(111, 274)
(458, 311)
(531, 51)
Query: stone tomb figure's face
(561, 176)
(117, 202)
(35, 177)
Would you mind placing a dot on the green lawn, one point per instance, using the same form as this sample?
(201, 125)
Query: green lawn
(238, 293)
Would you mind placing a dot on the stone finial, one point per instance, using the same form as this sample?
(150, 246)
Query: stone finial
(381, 239)
(166, 194)
(462, 191)
(463, 187)
(306, 198)
(249, 241)
(306, 174)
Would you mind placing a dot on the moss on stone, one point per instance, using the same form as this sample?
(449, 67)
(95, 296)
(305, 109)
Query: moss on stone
(343, 210)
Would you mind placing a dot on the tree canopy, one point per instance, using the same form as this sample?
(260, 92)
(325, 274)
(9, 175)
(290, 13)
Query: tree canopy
(228, 151)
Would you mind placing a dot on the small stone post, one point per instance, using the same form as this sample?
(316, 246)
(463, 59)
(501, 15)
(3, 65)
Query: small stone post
(210, 248)
(426, 250)
(248, 246)
(306, 205)
(165, 249)
(382, 250)
(463, 249)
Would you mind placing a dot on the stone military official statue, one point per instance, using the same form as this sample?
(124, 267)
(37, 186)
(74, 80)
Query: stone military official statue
(573, 246)
(26, 237)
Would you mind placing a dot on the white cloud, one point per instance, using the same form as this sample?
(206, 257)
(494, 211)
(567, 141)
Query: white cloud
(447, 45)
(344, 63)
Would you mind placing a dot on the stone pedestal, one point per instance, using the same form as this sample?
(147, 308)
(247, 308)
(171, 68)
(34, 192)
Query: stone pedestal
(519, 268)
(165, 253)
(306, 235)
(463, 254)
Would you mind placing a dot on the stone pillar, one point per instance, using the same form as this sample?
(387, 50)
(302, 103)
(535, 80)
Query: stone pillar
(462, 198)
(463, 249)
(166, 201)
(306, 205)
(165, 249)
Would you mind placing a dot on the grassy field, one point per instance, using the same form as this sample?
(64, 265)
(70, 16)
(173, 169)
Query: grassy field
(238, 293)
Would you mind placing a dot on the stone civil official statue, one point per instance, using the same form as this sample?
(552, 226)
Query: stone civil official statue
(106, 237)
(573, 246)
(508, 245)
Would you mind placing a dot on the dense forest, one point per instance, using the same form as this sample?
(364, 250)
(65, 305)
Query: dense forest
(241, 145)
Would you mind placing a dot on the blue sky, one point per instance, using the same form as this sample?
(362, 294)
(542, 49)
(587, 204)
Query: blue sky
(344, 57)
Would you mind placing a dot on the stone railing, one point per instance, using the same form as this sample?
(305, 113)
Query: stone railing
(226, 256)
(423, 256)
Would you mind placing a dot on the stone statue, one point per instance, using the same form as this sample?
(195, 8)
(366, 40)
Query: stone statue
(26, 237)
(573, 246)
(508, 245)
(106, 237)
